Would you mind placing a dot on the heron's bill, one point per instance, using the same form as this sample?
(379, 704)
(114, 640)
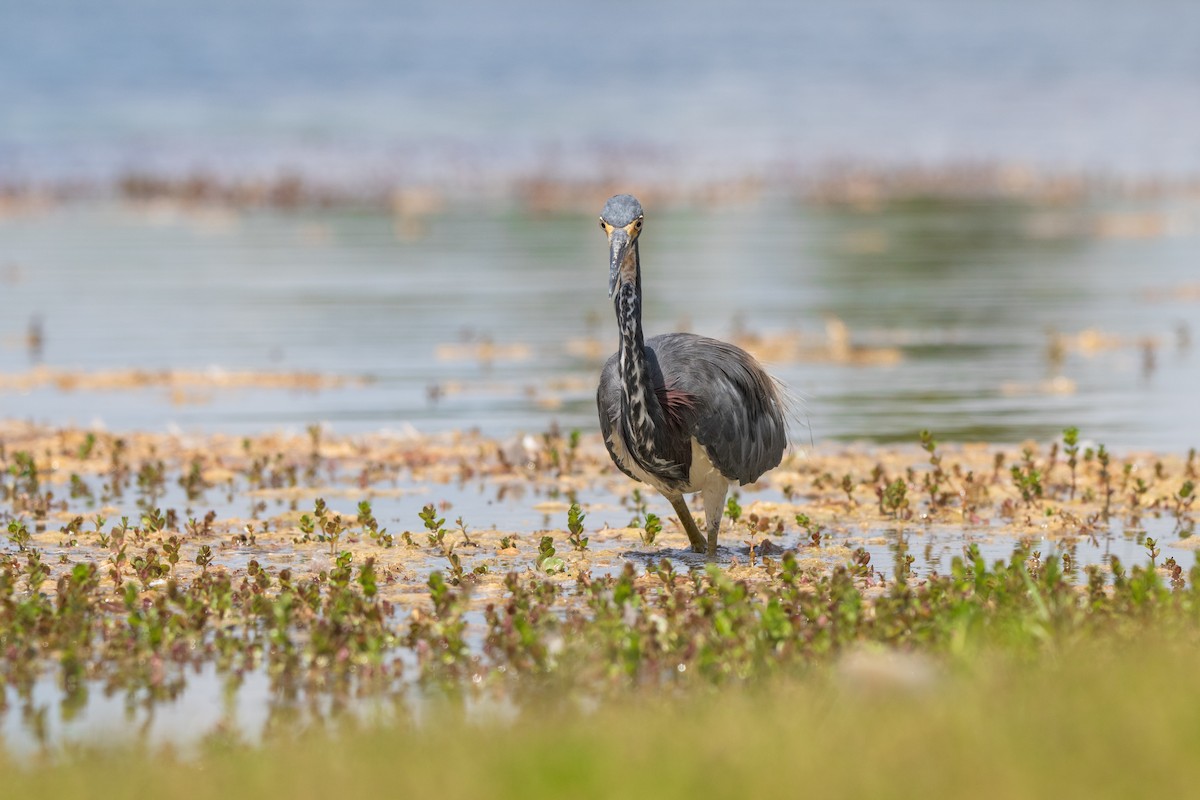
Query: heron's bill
(619, 243)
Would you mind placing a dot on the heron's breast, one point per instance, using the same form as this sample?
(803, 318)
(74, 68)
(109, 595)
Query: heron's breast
(702, 475)
(621, 453)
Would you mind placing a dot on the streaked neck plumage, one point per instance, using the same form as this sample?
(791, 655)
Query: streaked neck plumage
(642, 420)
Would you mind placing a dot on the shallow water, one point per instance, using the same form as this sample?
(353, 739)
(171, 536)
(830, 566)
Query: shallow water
(481, 319)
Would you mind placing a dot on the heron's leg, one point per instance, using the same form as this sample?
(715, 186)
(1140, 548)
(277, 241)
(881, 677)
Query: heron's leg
(714, 510)
(689, 524)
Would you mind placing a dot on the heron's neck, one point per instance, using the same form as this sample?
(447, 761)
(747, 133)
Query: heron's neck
(641, 413)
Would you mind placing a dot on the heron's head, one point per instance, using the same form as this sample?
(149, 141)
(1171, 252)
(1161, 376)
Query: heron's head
(621, 219)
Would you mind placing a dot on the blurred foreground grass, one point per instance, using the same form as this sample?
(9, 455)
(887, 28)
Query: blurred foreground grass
(399, 665)
(1107, 718)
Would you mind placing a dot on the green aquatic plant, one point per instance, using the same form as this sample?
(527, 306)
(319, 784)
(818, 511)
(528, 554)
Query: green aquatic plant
(148, 567)
(1152, 550)
(171, 548)
(458, 573)
(370, 526)
(650, 529)
(462, 528)
(1137, 492)
(860, 563)
(193, 482)
(204, 557)
(84, 451)
(247, 537)
(666, 573)
(36, 571)
(439, 638)
(154, 521)
(118, 556)
(638, 501)
(935, 479)
(847, 487)
(434, 526)
(562, 463)
(341, 572)
(1028, 480)
(367, 579)
(575, 517)
(811, 528)
(79, 489)
(1185, 498)
(72, 530)
(18, 534)
(24, 469)
(904, 566)
(332, 529)
(733, 509)
(151, 479)
(323, 525)
(547, 560)
(1104, 459)
(893, 499)
(573, 440)
(204, 527)
(1182, 501)
(1071, 448)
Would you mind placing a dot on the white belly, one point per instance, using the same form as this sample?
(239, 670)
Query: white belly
(703, 476)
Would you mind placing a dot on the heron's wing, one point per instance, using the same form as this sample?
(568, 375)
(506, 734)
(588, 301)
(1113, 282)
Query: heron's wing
(734, 407)
(608, 403)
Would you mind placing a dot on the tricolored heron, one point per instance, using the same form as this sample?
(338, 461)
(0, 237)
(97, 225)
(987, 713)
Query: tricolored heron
(681, 412)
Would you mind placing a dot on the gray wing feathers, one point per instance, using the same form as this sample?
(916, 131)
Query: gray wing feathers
(608, 403)
(736, 409)
(737, 412)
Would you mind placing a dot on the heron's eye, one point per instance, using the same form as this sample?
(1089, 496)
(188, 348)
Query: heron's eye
(603, 227)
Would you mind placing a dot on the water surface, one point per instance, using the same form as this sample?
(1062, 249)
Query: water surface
(473, 93)
(484, 318)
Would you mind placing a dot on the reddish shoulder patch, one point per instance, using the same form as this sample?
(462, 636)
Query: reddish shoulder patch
(676, 404)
